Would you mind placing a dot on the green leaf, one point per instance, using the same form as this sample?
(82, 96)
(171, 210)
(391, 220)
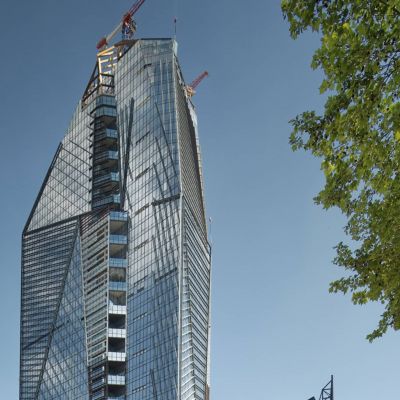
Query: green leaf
(357, 139)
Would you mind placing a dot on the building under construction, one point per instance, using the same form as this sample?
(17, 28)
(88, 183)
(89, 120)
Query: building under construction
(115, 253)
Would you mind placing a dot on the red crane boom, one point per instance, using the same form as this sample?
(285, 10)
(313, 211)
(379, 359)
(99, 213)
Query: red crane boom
(127, 25)
(190, 89)
(136, 7)
(196, 82)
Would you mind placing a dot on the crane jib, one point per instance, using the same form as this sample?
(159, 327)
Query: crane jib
(126, 18)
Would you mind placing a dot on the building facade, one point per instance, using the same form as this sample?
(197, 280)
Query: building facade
(115, 299)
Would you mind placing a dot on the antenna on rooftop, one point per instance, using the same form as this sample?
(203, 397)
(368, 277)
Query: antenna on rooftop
(175, 23)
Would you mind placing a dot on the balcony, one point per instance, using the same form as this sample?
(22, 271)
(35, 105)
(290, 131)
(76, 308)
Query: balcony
(116, 379)
(105, 110)
(106, 158)
(118, 216)
(115, 309)
(117, 333)
(116, 356)
(118, 262)
(110, 134)
(107, 179)
(113, 199)
(105, 100)
(117, 286)
(118, 239)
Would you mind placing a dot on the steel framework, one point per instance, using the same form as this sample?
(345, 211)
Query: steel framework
(327, 391)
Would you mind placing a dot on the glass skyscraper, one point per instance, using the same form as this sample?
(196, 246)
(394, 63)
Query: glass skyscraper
(115, 254)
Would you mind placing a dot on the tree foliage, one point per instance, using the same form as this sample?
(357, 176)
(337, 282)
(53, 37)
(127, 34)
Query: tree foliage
(357, 138)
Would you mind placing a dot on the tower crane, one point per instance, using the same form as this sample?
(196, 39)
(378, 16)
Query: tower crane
(190, 89)
(326, 392)
(127, 26)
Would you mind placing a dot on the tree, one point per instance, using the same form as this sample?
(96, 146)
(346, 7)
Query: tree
(357, 138)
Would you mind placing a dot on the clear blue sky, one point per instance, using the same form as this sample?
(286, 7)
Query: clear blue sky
(277, 332)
